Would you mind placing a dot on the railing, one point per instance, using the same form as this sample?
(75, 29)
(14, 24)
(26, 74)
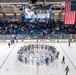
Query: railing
(50, 36)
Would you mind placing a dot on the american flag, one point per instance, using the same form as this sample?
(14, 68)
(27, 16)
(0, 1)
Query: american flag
(69, 17)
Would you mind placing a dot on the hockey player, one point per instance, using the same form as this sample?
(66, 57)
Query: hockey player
(25, 60)
(57, 55)
(38, 61)
(67, 69)
(52, 57)
(9, 45)
(63, 60)
(42, 60)
(47, 60)
(69, 41)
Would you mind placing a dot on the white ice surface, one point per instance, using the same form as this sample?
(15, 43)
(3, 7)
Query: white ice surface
(9, 65)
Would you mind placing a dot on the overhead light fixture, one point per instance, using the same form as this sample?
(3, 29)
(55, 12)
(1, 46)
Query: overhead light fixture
(33, 1)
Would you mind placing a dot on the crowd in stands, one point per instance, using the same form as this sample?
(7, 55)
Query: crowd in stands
(37, 29)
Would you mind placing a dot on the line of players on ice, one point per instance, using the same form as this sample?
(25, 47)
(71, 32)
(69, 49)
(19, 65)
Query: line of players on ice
(26, 54)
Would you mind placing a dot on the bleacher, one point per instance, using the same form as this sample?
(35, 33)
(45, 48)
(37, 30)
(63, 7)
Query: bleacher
(36, 30)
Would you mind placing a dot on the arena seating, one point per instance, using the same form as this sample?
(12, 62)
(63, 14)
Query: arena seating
(36, 30)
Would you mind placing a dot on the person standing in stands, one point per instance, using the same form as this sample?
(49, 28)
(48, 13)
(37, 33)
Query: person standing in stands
(9, 45)
(67, 69)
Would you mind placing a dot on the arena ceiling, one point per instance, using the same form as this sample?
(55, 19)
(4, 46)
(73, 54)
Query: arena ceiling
(34, 0)
(12, 7)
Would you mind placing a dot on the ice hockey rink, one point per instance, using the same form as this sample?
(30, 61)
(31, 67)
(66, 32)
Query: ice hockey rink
(9, 64)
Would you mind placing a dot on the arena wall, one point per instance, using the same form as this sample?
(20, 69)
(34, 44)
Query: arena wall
(39, 41)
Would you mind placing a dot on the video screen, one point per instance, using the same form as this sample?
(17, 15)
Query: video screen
(38, 13)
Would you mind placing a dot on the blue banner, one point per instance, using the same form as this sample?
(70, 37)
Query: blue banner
(23, 7)
(73, 6)
(51, 10)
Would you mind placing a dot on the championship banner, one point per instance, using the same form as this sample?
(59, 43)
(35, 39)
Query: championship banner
(50, 10)
(23, 7)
